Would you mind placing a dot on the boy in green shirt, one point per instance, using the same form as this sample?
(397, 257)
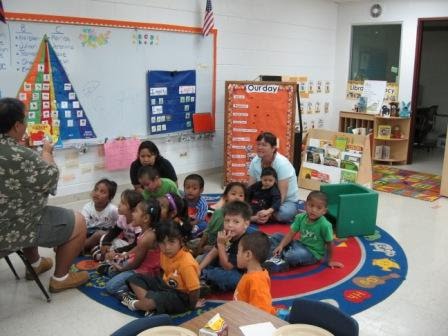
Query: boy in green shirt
(315, 242)
(153, 185)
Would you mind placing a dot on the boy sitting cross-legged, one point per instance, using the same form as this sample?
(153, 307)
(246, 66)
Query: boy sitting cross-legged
(315, 242)
(255, 285)
(219, 267)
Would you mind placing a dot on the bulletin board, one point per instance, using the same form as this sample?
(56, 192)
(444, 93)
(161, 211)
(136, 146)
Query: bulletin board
(252, 108)
(107, 64)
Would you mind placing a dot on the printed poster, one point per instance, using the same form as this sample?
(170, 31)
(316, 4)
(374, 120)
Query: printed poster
(252, 108)
(355, 89)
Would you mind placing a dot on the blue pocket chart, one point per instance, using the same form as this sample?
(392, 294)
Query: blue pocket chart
(172, 100)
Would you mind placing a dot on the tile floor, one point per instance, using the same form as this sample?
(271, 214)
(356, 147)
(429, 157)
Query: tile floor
(416, 308)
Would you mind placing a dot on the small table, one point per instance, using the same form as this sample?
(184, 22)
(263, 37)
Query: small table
(236, 314)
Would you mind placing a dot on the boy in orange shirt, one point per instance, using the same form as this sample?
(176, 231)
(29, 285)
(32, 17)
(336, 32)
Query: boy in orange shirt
(255, 285)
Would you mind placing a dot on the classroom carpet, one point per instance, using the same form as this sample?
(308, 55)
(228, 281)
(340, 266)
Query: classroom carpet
(408, 183)
(374, 267)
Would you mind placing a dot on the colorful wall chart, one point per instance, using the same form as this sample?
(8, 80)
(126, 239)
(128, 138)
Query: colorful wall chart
(252, 108)
(172, 100)
(51, 100)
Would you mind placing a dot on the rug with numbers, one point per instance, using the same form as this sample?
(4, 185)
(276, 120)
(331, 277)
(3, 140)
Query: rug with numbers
(374, 267)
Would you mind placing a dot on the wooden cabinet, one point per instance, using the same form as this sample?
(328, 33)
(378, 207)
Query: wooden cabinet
(391, 139)
(351, 120)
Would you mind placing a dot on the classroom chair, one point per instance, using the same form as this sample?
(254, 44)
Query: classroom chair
(141, 324)
(352, 209)
(5, 255)
(323, 315)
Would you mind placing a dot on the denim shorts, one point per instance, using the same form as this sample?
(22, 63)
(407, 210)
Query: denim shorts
(55, 227)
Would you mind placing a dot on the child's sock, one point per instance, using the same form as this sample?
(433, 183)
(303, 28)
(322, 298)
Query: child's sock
(60, 278)
(37, 263)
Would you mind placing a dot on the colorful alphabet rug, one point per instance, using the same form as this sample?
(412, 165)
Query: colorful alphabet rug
(374, 267)
(422, 186)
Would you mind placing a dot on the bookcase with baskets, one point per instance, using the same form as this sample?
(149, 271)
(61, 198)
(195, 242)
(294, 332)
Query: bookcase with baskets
(391, 139)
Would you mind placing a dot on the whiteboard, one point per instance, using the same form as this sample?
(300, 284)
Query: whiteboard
(107, 66)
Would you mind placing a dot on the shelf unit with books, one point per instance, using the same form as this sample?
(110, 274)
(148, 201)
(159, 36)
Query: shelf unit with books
(351, 120)
(391, 139)
(335, 157)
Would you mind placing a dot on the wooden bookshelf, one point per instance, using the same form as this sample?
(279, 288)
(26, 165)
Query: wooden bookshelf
(350, 120)
(398, 147)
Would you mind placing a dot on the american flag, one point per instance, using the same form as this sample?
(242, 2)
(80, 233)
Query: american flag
(2, 13)
(208, 19)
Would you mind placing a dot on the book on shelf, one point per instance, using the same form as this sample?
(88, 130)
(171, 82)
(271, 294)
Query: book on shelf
(341, 143)
(351, 156)
(386, 152)
(384, 131)
(378, 152)
(349, 165)
(315, 155)
(330, 161)
(354, 148)
(348, 176)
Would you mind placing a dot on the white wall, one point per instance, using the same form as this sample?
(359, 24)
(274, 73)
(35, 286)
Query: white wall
(405, 12)
(434, 74)
(283, 37)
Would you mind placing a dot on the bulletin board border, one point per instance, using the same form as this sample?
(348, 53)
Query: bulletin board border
(228, 118)
(74, 20)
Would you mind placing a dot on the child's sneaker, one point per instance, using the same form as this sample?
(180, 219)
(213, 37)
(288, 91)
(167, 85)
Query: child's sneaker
(103, 268)
(129, 301)
(276, 265)
(123, 293)
(96, 253)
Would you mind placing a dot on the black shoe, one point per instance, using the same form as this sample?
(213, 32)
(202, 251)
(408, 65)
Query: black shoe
(103, 268)
(123, 293)
(205, 289)
(276, 265)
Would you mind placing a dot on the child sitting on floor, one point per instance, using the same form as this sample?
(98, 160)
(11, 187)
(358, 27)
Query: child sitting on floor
(122, 237)
(153, 185)
(234, 191)
(144, 258)
(100, 214)
(264, 196)
(219, 267)
(197, 204)
(255, 285)
(178, 290)
(315, 242)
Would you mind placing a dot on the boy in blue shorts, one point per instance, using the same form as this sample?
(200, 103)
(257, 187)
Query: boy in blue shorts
(315, 242)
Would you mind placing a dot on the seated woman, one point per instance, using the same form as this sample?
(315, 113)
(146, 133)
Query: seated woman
(149, 155)
(268, 156)
(26, 180)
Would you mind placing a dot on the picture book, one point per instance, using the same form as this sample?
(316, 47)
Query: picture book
(354, 148)
(315, 154)
(329, 161)
(326, 174)
(351, 156)
(38, 133)
(384, 131)
(333, 152)
(341, 143)
(348, 176)
(349, 165)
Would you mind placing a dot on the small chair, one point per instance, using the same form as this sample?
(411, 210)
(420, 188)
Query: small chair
(323, 315)
(352, 208)
(137, 326)
(5, 255)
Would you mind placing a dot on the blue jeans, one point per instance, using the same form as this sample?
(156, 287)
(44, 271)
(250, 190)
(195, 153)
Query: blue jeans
(118, 282)
(224, 280)
(295, 253)
(288, 210)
